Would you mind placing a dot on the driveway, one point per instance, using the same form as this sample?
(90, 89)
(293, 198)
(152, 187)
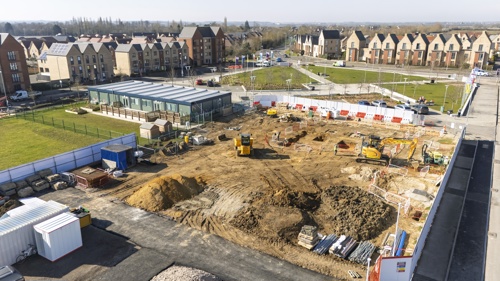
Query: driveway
(158, 242)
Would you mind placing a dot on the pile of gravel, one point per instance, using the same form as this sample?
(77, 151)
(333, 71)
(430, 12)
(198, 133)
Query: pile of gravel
(182, 273)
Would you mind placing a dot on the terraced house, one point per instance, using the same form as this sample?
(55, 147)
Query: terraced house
(13, 68)
(356, 43)
(77, 62)
(206, 44)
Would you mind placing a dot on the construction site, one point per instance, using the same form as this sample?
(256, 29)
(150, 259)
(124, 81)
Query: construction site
(284, 181)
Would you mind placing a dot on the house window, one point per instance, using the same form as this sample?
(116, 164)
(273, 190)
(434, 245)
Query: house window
(15, 78)
(80, 69)
(481, 47)
(147, 54)
(88, 68)
(481, 56)
(101, 57)
(387, 45)
(352, 44)
(453, 56)
(420, 55)
(87, 59)
(155, 53)
(436, 46)
(417, 47)
(79, 60)
(375, 45)
(41, 69)
(11, 55)
(451, 47)
(146, 63)
(134, 101)
(71, 60)
(13, 66)
(376, 53)
(93, 59)
(133, 55)
(404, 46)
(167, 53)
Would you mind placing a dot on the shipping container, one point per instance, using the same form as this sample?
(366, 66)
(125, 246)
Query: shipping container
(117, 156)
(58, 236)
(16, 227)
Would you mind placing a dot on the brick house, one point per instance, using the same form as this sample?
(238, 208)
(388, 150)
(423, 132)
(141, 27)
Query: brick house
(419, 48)
(355, 45)
(454, 53)
(206, 45)
(329, 44)
(404, 50)
(375, 49)
(389, 46)
(481, 51)
(436, 54)
(14, 70)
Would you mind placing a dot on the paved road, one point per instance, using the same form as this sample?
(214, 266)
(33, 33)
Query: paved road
(176, 243)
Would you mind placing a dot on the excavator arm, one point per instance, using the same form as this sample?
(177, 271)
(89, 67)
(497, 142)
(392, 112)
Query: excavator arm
(413, 144)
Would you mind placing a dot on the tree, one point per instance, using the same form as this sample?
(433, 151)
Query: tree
(8, 28)
(56, 29)
(247, 26)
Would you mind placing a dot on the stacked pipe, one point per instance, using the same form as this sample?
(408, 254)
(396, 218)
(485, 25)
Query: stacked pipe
(308, 236)
(343, 246)
(362, 253)
(322, 247)
(401, 244)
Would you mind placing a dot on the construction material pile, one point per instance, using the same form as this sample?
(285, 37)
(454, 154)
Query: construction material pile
(308, 236)
(41, 180)
(175, 273)
(343, 246)
(325, 244)
(364, 250)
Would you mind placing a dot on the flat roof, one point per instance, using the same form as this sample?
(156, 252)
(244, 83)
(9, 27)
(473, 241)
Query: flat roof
(160, 92)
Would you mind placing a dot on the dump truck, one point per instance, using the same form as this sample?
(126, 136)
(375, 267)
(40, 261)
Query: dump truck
(244, 145)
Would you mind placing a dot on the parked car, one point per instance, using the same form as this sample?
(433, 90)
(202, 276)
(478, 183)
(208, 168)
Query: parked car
(480, 72)
(211, 83)
(364, 102)
(9, 273)
(199, 82)
(279, 60)
(403, 107)
(420, 109)
(339, 63)
(379, 103)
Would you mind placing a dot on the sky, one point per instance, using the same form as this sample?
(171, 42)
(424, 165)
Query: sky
(321, 11)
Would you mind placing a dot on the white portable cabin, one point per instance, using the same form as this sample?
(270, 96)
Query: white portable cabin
(16, 227)
(58, 236)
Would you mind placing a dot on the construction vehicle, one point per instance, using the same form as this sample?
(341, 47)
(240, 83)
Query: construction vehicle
(272, 112)
(372, 149)
(288, 117)
(244, 145)
(433, 157)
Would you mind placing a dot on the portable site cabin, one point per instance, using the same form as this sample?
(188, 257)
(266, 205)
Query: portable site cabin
(16, 226)
(147, 97)
(58, 236)
(163, 125)
(117, 156)
(149, 131)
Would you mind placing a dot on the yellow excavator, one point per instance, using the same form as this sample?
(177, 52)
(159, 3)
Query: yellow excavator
(244, 145)
(433, 157)
(373, 147)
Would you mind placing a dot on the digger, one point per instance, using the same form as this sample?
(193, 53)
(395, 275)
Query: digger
(371, 150)
(244, 145)
(433, 157)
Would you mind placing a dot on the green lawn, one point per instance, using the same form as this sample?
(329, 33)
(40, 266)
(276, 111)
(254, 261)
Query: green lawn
(269, 78)
(434, 91)
(342, 75)
(24, 141)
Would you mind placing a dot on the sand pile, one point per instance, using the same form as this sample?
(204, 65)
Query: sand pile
(182, 273)
(163, 192)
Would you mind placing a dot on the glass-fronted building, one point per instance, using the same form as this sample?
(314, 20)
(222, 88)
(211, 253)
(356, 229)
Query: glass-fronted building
(147, 96)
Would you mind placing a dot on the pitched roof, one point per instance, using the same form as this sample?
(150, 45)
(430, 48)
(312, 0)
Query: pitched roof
(360, 35)
(379, 36)
(393, 37)
(205, 31)
(331, 34)
(125, 48)
(3, 36)
(60, 49)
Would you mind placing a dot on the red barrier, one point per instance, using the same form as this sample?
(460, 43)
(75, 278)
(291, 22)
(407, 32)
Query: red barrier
(344, 112)
(361, 114)
(378, 117)
(273, 103)
(313, 108)
(298, 106)
(256, 102)
(396, 119)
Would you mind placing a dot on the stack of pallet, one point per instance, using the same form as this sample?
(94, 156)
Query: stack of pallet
(308, 236)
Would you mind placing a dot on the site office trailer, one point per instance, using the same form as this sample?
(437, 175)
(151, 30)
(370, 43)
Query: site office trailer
(58, 236)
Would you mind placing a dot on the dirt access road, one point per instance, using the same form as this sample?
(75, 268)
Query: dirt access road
(263, 202)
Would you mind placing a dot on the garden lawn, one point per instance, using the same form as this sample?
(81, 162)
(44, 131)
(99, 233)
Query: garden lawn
(24, 141)
(343, 75)
(268, 78)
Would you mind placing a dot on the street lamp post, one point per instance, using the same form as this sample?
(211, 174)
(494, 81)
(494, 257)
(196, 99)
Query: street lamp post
(182, 65)
(445, 92)
(415, 89)
(252, 80)
(404, 86)
(187, 71)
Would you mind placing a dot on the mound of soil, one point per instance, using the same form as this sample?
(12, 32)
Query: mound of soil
(163, 192)
(9, 205)
(355, 212)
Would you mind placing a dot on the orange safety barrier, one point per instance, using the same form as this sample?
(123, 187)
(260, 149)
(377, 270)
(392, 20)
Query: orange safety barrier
(378, 117)
(313, 108)
(344, 112)
(396, 119)
(298, 106)
(361, 114)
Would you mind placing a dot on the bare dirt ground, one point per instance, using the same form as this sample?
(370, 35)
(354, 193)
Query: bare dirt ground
(262, 202)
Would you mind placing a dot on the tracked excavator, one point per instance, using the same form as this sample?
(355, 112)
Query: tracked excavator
(433, 157)
(373, 147)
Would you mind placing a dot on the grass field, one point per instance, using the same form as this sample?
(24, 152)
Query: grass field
(24, 141)
(342, 75)
(269, 78)
(435, 92)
